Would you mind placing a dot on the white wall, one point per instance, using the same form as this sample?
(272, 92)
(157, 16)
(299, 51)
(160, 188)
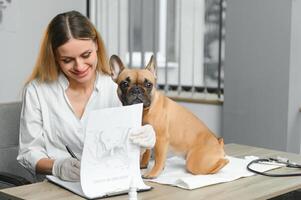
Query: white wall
(262, 74)
(23, 24)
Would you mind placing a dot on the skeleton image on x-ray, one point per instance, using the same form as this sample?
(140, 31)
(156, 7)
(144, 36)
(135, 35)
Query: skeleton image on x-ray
(111, 147)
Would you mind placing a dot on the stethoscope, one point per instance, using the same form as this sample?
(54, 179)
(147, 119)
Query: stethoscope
(274, 161)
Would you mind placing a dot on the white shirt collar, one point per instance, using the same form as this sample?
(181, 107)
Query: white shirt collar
(97, 84)
(63, 81)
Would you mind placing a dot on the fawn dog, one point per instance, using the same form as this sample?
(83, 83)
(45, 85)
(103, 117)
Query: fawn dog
(176, 127)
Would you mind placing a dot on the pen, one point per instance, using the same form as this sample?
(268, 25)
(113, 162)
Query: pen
(71, 152)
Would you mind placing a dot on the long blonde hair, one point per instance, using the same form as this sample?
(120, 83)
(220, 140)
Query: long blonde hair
(63, 27)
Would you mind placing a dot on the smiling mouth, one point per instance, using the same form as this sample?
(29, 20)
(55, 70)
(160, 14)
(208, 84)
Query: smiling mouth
(81, 73)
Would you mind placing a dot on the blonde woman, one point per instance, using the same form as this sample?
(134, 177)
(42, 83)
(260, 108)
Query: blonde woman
(71, 78)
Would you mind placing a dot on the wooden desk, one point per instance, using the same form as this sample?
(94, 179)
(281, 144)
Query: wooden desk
(254, 187)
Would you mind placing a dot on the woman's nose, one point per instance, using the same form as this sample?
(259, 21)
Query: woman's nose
(79, 64)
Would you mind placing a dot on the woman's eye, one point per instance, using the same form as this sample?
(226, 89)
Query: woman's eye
(86, 55)
(66, 61)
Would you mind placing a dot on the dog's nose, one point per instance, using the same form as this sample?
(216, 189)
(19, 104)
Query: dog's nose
(136, 90)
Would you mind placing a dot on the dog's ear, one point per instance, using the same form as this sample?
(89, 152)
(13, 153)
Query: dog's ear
(151, 66)
(116, 67)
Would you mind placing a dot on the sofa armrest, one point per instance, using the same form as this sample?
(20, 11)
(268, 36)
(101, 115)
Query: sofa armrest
(13, 179)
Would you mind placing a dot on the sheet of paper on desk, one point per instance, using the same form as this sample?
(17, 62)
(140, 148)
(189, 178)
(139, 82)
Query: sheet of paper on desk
(175, 174)
(110, 162)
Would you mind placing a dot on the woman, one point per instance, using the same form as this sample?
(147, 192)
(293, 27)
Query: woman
(70, 79)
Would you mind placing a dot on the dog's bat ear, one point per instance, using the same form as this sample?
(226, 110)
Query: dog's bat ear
(151, 66)
(116, 67)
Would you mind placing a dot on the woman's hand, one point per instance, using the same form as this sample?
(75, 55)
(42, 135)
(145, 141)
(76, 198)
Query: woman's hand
(143, 136)
(67, 169)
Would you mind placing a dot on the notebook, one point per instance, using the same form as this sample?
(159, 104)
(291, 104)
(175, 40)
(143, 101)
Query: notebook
(110, 162)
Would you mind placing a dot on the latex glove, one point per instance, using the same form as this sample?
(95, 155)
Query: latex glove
(67, 169)
(143, 136)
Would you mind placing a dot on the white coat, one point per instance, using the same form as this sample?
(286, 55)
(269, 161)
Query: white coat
(48, 124)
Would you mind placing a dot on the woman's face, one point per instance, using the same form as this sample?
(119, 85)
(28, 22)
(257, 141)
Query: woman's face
(78, 60)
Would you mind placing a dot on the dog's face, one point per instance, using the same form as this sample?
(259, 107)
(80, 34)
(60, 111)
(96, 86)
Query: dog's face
(134, 85)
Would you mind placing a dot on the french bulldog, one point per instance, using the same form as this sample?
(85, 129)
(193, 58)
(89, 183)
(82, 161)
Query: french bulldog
(176, 127)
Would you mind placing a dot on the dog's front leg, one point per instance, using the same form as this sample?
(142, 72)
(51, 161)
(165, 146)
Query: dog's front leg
(145, 159)
(160, 152)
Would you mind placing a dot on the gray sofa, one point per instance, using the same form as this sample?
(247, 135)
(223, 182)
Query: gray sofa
(11, 172)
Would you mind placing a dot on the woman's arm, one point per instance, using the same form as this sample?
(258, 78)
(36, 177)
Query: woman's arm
(31, 139)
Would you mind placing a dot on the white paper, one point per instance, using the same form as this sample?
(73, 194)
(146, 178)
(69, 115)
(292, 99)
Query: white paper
(74, 187)
(175, 173)
(110, 162)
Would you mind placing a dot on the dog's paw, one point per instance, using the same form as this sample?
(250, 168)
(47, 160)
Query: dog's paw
(143, 166)
(150, 176)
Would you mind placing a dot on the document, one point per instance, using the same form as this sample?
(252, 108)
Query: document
(110, 162)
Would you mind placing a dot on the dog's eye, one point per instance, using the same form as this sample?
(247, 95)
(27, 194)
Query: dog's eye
(124, 84)
(148, 85)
